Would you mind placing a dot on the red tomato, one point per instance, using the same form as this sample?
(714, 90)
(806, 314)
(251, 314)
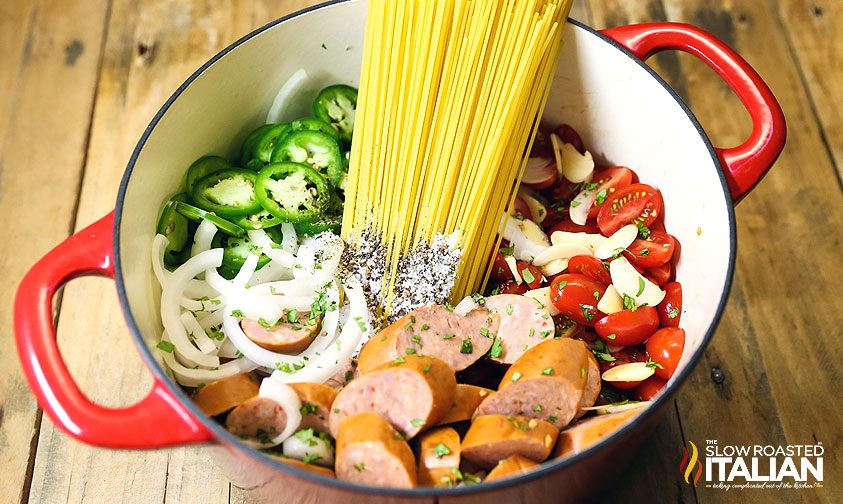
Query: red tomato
(656, 250)
(541, 145)
(609, 180)
(623, 356)
(562, 192)
(569, 226)
(628, 327)
(660, 275)
(528, 271)
(576, 296)
(521, 208)
(570, 136)
(500, 270)
(670, 309)
(649, 388)
(540, 173)
(555, 215)
(511, 287)
(636, 203)
(665, 347)
(591, 267)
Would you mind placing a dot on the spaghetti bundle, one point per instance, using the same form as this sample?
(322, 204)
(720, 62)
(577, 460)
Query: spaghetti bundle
(450, 96)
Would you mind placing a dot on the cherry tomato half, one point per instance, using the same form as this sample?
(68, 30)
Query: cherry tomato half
(665, 347)
(649, 388)
(659, 275)
(636, 203)
(511, 287)
(540, 173)
(608, 182)
(623, 356)
(520, 207)
(570, 136)
(651, 252)
(591, 267)
(500, 270)
(670, 309)
(531, 275)
(628, 327)
(563, 192)
(576, 296)
(568, 226)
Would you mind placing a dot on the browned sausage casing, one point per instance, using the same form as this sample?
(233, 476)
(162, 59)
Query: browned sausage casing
(371, 452)
(547, 382)
(511, 466)
(439, 456)
(285, 337)
(592, 385)
(466, 399)
(411, 393)
(524, 323)
(220, 396)
(584, 434)
(492, 438)
(324, 471)
(436, 331)
(258, 418)
(316, 401)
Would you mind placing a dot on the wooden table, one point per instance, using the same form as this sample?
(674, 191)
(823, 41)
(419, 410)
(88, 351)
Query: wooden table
(80, 79)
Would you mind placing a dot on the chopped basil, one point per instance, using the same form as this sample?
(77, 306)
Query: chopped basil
(360, 467)
(307, 409)
(582, 372)
(237, 314)
(448, 336)
(629, 303)
(653, 364)
(349, 375)
(537, 408)
(425, 327)
(509, 308)
(643, 231)
(497, 348)
(640, 286)
(426, 369)
(478, 298)
(644, 253)
(360, 323)
(587, 312)
(547, 371)
(673, 313)
(527, 275)
(441, 450)
(575, 204)
(166, 346)
(467, 347)
(600, 197)
(410, 351)
(310, 458)
(596, 295)
(507, 250)
(293, 316)
(552, 419)
(612, 336)
(516, 376)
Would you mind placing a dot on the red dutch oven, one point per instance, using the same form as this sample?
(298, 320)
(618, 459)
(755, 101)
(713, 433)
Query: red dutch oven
(623, 110)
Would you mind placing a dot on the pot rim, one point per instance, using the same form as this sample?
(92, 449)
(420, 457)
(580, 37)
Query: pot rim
(222, 435)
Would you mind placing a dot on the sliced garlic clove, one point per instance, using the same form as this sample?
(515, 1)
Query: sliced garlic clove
(621, 239)
(608, 409)
(562, 251)
(537, 210)
(554, 267)
(572, 165)
(611, 301)
(556, 143)
(590, 240)
(631, 372)
(542, 295)
(513, 267)
(580, 205)
(466, 305)
(526, 237)
(630, 283)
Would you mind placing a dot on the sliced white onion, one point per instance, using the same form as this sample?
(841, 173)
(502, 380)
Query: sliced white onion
(539, 171)
(203, 237)
(196, 377)
(200, 305)
(554, 267)
(542, 295)
(466, 305)
(513, 268)
(212, 319)
(561, 251)
(590, 240)
(608, 409)
(282, 99)
(159, 246)
(630, 283)
(620, 239)
(575, 167)
(537, 210)
(330, 321)
(580, 205)
(246, 271)
(198, 289)
(200, 337)
(329, 247)
(289, 401)
(228, 350)
(271, 272)
(630, 372)
(293, 287)
(611, 301)
(269, 248)
(526, 237)
(312, 448)
(289, 238)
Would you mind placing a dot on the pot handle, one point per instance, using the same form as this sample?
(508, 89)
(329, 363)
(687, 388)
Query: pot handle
(156, 421)
(747, 163)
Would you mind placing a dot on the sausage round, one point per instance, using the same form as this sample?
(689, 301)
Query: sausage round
(511, 466)
(592, 385)
(371, 452)
(324, 471)
(316, 400)
(285, 337)
(439, 457)
(492, 438)
(220, 396)
(346, 372)
(524, 323)
(411, 393)
(436, 331)
(259, 418)
(547, 383)
(466, 399)
(584, 434)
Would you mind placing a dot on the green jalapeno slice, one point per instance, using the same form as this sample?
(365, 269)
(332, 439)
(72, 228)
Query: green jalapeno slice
(174, 226)
(336, 106)
(327, 222)
(314, 124)
(203, 167)
(228, 193)
(197, 214)
(293, 192)
(313, 148)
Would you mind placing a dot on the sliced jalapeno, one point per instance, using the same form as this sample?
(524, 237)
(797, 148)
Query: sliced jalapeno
(235, 252)
(249, 144)
(293, 192)
(197, 214)
(328, 222)
(260, 220)
(312, 148)
(314, 124)
(228, 193)
(203, 167)
(266, 143)
(336, 106)
(174, 226)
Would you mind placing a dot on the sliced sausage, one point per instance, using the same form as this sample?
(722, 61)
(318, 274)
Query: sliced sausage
(592, 385)
(511, 466)
(547, 382)
(220, 396)
(316, 400)
(436, 331)
(439, 457)
(524, 323)
(371, 452)
(466, 400)
(492, 438)
(324, 471)
(345, 373)
(259, 418)
(411, 393)
(284, 337)
(584, 434)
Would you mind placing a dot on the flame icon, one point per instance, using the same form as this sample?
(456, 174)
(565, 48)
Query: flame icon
(686, 467)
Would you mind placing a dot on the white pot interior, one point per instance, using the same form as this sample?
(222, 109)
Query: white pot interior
(624, 114)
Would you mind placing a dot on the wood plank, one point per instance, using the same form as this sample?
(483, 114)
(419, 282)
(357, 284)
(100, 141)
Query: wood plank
(811, 29)
(44, 134)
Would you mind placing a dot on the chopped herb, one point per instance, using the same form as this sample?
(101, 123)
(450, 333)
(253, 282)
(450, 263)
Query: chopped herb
(470, 478)
(552, 419)
(361, 466)
(166, 346)
(596, 295)
(216, 334)
(601, 351)
(417, 422)
(360, 323)
(466, 347)
(509, 308)
(307, 409)
(653, 364)
(528, 276)
(449, 307)
(284, 367)
(544, 334)
(409, 326)
(497, 349)
(237, 314)
(399, 360)
(643, 231)
(415, 339)
(582, 372)
(324, 46)
(478, 298)
(448, 336)
(309, 458)
(532, 331)
(425, 327)
(307, 436)
(673, 313)
(640, 286)
(336, 410)
(537, 408)
(516, 376)
(295, 327)
(508, 251)
(587, 312)
(629, 303)
(293, 316)
(441, 450)
(399, 436)
(349, 375)
(426, 369)
(612, 336)
(410, 351)
(561, 285)
(485, 333)
(547, 371)
(600, 197)
(575, 204)
(644, 253)
(496, 291)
